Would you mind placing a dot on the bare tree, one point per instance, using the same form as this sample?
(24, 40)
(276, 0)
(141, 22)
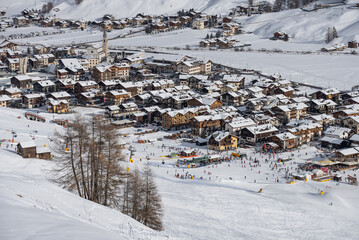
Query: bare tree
(93, 169)
(50, 6)
(151, 213)
(334, 33)
(136, 196)
(88, 160)
(328, 35)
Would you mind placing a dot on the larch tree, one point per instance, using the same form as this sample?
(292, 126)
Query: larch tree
(88, 161)
(334, 33)
(151, 212)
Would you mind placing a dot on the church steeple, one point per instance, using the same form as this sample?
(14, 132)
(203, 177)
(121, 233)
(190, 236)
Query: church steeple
(105, 44)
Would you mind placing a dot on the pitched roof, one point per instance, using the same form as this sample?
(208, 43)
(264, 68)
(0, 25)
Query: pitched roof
(27, 144)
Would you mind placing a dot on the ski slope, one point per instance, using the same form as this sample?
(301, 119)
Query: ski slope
(32, 207)
(211, 206)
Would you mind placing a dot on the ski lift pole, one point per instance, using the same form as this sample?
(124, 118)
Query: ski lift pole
(13, 136)
(132, 149)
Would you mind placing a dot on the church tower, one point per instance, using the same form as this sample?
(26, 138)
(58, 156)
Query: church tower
(105, 44)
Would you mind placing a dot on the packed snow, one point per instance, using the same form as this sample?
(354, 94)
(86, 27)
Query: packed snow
(221, 202)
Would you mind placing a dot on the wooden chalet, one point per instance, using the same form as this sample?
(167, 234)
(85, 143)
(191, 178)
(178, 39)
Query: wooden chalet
(58, 106)
(210, 102)
(285, 140)
(21, 81)
(67, 85)
(260, 133)
(84, 86)
(27, 149)
(330, 93)
(34, 100)
(116, 97)
(221, 141)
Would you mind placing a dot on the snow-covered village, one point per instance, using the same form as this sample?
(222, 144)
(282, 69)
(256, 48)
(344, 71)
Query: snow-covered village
(152, 119)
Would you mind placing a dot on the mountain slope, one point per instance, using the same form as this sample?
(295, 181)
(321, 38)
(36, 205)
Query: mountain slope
(307, 27)
(93, 9)
(38, 209)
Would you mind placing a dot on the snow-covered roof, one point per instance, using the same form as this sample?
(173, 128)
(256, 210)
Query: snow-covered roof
(46, 83)
(12, 90)
(62, 94)
(42, 150)
(289, 107)
(330, 91)
(87, 83)
(355, 138)
(322, 117)
(355, 118)
(326, 102)
(211, 117)
(129, 105)
(22, 77)
(71, 63)
(219, 135)
(349, 151)
(336, 131)
(265, 128)
(113, 108)
(67, 82)
(34, 95)
(285, 136)
(242, 123)
(332, 140)
(4, 98)
(118, 92)
(27, 144)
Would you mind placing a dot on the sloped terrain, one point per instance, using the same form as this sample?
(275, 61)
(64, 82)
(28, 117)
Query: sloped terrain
(32, 207)
(93, 9)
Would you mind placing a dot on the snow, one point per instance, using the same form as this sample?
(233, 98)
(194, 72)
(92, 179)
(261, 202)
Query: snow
(28, 144)
(33, 207)
(317, 70)
(213, 207)
(95, 9)
(307, 31)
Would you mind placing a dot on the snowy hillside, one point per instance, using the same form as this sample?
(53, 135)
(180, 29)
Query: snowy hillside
(32, 207)
(92, 9)
(307, 27)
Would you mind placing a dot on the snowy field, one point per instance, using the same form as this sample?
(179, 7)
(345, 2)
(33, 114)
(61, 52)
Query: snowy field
(339, 71)
(210, 206)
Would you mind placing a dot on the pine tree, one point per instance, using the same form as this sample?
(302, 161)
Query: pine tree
(207, 37)
(151, 213)
(218, 34)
